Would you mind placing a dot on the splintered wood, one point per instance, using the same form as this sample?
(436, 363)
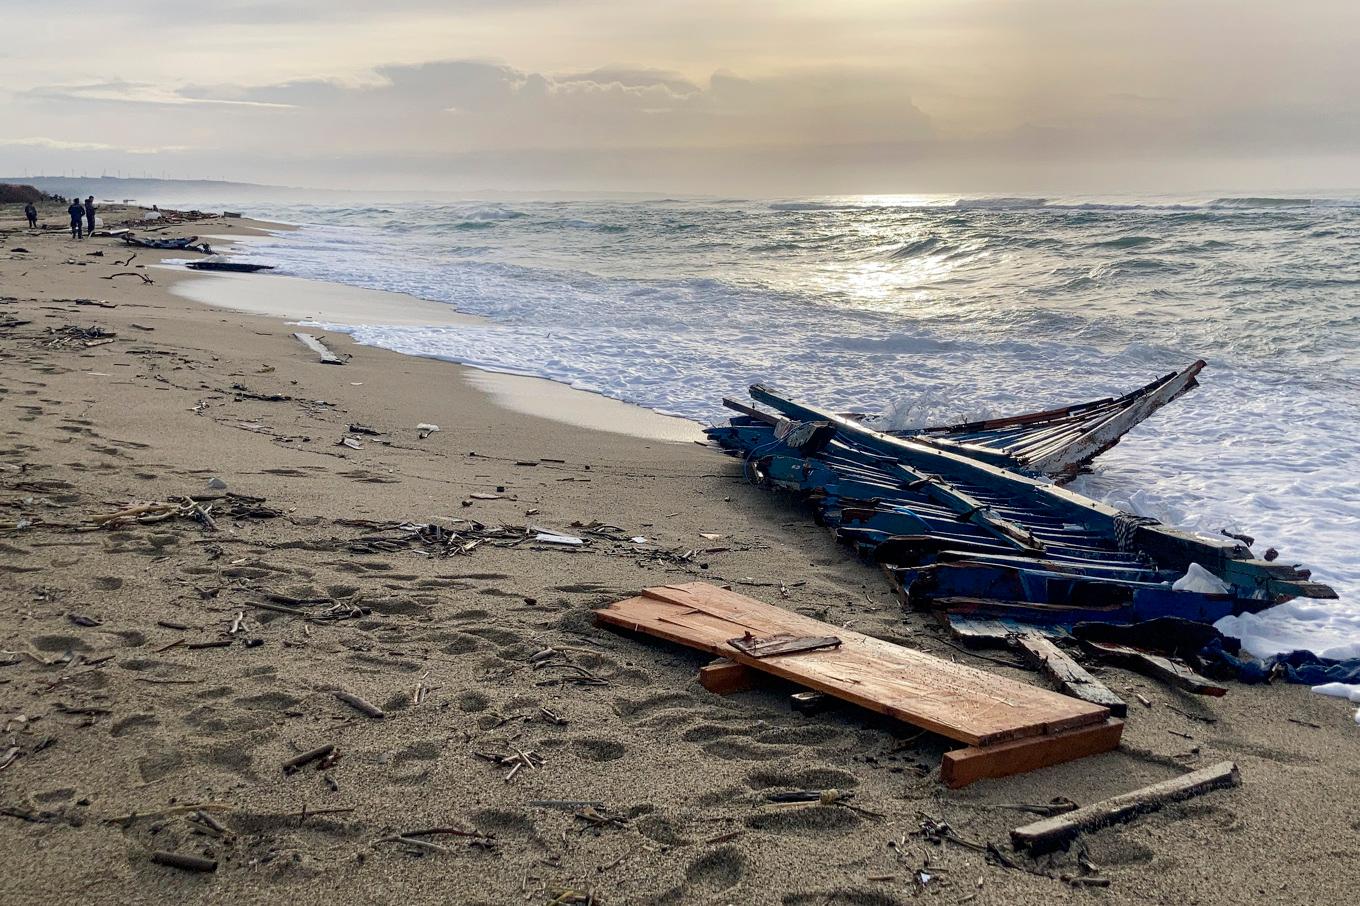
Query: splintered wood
(959, 702)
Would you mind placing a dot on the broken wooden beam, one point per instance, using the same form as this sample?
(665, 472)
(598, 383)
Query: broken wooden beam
(1070, 676)
(1035, 642)
(723, 677)
(1163, 668)
(318, 347)
(963, 766)
(1052, 833)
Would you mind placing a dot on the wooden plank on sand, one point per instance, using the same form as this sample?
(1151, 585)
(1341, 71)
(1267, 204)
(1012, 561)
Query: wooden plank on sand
(1051, 833)
(316, 346)
(962, 766)
(954, 700)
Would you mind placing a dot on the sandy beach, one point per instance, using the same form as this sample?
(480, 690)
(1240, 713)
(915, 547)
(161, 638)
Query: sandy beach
(144, 685)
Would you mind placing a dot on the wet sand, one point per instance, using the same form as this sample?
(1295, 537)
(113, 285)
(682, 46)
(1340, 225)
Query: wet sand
(117, 727)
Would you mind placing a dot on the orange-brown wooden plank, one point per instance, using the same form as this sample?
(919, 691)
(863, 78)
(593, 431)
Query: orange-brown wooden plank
(723, 677)
(962, 766)
(953, 700)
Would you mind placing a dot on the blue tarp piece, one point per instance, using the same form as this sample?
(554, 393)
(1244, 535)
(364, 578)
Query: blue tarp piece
(1302, 667)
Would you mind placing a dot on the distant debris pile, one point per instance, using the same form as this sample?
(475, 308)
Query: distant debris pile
(11, 193)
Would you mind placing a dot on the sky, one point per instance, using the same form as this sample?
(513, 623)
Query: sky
(749, 97)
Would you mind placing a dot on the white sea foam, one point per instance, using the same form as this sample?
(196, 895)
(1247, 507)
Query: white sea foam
(933, 312)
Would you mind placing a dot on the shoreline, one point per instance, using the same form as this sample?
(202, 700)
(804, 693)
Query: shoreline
(132, 710)
(315, 303)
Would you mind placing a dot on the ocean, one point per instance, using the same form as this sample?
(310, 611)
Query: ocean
(932, 309)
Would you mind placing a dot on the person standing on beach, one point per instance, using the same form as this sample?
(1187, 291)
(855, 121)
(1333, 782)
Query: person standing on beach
(32, 214)
(77, 212)
(89, 216)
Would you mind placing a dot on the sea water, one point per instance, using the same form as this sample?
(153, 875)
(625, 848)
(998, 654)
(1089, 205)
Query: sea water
(929, 310)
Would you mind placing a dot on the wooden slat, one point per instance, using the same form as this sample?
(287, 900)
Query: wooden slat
(963, 766)
(723, 677)
(1050, 833)
(954, 700)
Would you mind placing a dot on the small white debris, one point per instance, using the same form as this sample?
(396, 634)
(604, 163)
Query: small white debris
(638, 540)
(554, 538)
(1199, 579)
(217, 484)
(425, 429)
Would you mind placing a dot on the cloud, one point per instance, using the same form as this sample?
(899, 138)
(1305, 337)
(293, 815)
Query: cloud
(121, 92)
(459, 106)
(54, 144)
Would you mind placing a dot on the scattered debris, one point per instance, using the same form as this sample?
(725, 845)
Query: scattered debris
(425, 429)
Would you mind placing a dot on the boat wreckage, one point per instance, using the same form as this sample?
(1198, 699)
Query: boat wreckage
(965, 520)
(971, 521)
(1058, 442)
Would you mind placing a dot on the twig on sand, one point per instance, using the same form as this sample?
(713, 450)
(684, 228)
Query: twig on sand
(183, 861)
(297, 762)
(364, 707)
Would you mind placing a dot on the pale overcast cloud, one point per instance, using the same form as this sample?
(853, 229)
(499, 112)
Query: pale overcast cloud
(792, 97)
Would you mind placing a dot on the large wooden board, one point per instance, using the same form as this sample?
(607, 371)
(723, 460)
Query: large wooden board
(954, 700)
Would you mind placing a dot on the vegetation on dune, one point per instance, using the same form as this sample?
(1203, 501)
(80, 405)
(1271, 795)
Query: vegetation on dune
(11, 193)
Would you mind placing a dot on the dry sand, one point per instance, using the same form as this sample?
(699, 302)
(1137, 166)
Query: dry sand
(119, 728)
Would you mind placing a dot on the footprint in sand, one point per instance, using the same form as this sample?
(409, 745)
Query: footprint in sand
(842, 896)
(590, 749)
(634, 709)
(269, 701)
(134, 723)
(814, 819)
(746, 751)
(504, 822)
(715, 871)
(802, 779)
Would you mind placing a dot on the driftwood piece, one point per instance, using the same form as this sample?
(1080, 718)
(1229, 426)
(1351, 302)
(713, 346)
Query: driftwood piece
(1167, 669)
(1051, 833)
(363, 707)
(183, 861)
(318, 347)
(297, 762)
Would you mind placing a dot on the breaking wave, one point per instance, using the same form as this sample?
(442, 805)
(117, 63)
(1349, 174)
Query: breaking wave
(932, 308)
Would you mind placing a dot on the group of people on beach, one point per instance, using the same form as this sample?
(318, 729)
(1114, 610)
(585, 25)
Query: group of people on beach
(82, 216)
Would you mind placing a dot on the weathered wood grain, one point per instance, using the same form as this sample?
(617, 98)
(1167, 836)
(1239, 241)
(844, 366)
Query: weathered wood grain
(954, 700)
